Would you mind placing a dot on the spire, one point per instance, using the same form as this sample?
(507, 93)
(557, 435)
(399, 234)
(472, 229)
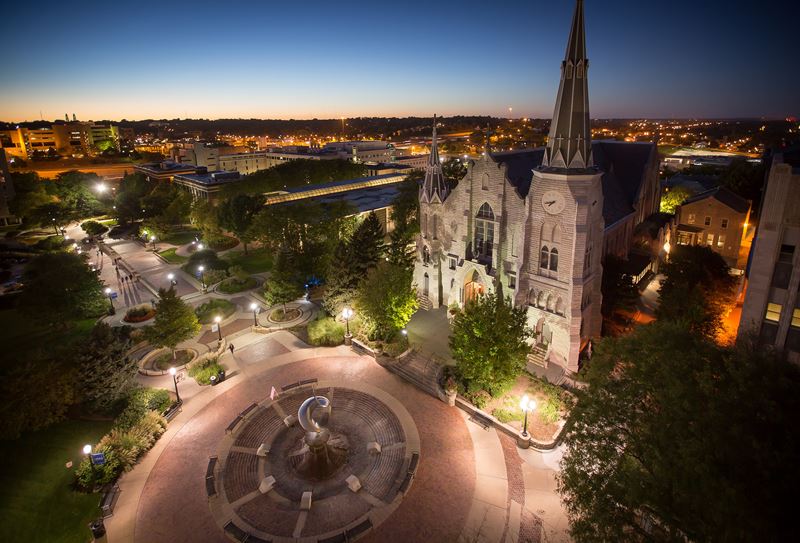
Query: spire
(569, 145)
(434, 188)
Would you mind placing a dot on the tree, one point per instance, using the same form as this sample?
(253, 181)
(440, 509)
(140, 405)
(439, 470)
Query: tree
(405, 216)
(674, 197)
(29, 194)
(175, 321)
(677, 439)
(60, 287)
(617, 287)
(488, 342)
(697, 289)
(128, 203)
(340, 288)
(204, 217)
(283, 285)
(454, 171)
(237, 214)
(386, 299)
(106, 372)
(367, 244)
(93, 228)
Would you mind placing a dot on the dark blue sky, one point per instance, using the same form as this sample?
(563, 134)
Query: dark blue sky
(298, 59)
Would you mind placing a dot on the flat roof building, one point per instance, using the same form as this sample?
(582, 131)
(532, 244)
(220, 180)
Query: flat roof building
(205, 185)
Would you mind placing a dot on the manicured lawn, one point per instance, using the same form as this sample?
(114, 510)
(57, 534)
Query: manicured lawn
(170, 256)
(256, 260)
(36, 499)
(181, 238)
(20, 335)
(231, 285)
(166, 361)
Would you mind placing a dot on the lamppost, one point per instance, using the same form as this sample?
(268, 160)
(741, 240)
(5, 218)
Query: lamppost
(171, 277)
(87, 451)
(202, 277)
(667, 248)
(217, 320)
(110, 300)
(526, 404)
(254, 308)
(347, 314)
(153, 239)
(174, 373)
(199, 246)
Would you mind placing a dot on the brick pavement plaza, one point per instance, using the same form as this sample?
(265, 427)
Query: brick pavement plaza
(469, 485)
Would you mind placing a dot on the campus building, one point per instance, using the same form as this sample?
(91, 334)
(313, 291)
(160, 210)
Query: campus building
(771, 310)
(538, 222)
(67, 139)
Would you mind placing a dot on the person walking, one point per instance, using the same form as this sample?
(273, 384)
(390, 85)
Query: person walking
(231, 348)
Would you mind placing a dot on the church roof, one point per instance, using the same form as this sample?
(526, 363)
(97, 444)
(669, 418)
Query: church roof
(568, 145)
(434, 188)
(623, 165)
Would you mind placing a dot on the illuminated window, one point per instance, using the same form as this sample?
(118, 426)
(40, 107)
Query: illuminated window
(710, 239)
(545, 257)
(691, 218)
(796, 318)
(554, 259)
(707, 221)
(773, 312)
(721, 240)
(724, 223)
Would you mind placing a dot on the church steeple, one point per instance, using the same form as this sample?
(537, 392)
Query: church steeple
(434, 188)
(569, 145)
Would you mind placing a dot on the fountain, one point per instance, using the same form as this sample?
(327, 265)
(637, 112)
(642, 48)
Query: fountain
(321, 453)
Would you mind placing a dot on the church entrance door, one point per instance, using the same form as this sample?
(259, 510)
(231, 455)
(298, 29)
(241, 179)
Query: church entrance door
(473, 288)
(426, 284)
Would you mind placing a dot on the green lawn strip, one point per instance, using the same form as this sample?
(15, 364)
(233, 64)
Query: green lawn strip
(255, 261)
(36, 497)
(207, 311)
(170, 256)
(180, 238)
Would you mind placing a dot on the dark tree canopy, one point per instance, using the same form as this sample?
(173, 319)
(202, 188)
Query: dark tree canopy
(237, 214)
(284, 283)
(675, 433)
(60, 287)
(175, 321)
(106, 372)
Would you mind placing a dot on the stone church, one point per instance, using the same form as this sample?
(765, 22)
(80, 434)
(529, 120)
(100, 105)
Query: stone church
(539, 222)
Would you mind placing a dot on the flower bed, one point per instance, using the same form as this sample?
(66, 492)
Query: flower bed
(139, 313)
(165, 361)
(212, 308)
(203, 371)
(279, 316)
(232, 285)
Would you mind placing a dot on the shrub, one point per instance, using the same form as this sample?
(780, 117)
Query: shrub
(238, 273)
(50, 243)
(139, 313)
(93, 228)
(207, 311)
(140, 402)
(203, 371)
(232, 285)
(507, 415)
(325, 331)
(206, 258)
(479, 398)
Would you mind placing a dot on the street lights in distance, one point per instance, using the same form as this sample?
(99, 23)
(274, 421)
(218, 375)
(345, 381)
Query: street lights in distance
(526, 404)
(217, 321)
(110, 300)
(174, 373)
(254, 309)
(347, 314)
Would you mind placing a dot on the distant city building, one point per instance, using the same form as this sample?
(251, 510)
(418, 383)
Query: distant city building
(771, 309)
(539, 222)
(205, 185)
(717, 218)
(164, 171)
(68, 139)
(197, 154)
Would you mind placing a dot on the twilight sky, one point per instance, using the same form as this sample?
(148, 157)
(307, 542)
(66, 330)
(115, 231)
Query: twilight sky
(303, 59)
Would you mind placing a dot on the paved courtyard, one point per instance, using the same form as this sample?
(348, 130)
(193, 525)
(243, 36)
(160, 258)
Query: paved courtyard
(471, 483)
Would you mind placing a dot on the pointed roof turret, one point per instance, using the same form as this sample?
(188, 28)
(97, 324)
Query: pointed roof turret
(434, 188)
(569, 144)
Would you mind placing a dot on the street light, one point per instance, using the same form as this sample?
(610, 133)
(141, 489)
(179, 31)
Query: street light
(101, 187)
(87, 451)
(110, 300)
(217, 320)
(153, 239)
(171, 277)
(174, 373)
(202, 277)
(347, 314)
(254, 308)
(199, 246)
(526, 404)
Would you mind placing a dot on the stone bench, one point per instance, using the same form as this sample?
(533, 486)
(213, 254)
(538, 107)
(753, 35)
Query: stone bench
(412, 466)
(211, 487)
(247, 411)
(234, 423)
(109, 501)
(359, 529)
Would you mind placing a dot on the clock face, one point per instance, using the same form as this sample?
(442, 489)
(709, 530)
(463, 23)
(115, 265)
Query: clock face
(553, 202)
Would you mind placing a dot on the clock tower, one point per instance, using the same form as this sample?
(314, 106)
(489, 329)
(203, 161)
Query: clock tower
(565, 222)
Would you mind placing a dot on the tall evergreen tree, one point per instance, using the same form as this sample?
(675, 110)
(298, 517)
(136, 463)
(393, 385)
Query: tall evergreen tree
(175, 321)
(106, 372)
(343, 278)
(284, 283)
(367, 244)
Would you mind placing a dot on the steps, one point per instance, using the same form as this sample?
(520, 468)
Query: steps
(418, 371)
(424, 302)
(537, 356)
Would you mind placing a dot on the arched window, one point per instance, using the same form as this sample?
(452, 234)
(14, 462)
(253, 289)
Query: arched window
(541, 299)
(553, 259)
(560, 306)
(485, 181)
(545, 257)
(550, 303)
(435, 225)
(484, 233)
(532, 297)
(426, 255)
(485, 212)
